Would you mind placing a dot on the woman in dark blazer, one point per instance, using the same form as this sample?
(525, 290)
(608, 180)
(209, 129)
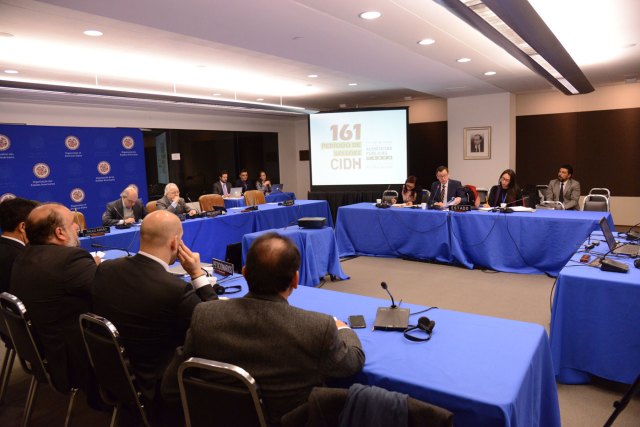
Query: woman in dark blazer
(507, 191)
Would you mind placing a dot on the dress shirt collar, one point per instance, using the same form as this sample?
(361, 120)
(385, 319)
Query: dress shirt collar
(13, 238)
(156, 259)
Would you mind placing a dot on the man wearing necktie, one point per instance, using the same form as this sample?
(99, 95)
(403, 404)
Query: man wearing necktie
(565, 189)
(445, 189)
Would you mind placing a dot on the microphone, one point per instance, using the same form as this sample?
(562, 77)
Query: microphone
(98, 245)
(384, 286)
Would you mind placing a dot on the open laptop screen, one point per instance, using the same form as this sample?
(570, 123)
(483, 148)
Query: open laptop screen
(608, 235)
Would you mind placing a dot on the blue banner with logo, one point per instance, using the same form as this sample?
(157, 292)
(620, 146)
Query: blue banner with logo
(81, 168)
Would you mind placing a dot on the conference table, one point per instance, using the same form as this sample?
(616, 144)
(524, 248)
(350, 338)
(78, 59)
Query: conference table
(487, 371)
(318, 252)
(520, 242)
(210, 236)
(238, 202)
(595, 320)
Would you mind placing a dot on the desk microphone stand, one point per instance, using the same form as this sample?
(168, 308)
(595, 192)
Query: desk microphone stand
(622, 403)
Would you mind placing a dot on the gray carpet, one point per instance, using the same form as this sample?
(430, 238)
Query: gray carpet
(522, 297)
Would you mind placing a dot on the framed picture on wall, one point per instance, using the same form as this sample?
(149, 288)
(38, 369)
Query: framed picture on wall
(477, 143)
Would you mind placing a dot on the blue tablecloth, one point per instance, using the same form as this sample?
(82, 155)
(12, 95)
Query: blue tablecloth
(363, 229)
(487, 371)
(595, 322)
(318, 252)
(270, 198)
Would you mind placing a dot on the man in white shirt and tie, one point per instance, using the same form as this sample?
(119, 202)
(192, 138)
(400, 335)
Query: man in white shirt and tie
(222, 186)
(565, 189)
(444, 189)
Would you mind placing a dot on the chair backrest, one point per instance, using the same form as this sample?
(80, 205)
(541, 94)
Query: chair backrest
(542, 189)
(235, 394)
(601, 191)
(483, 193)
(25, 341)
(550, 204)
(471, 192)
(151, 206)
(78, 218)
(254, 197)
(426, 194)
(110, 363)
(208, 201)
(595, 202)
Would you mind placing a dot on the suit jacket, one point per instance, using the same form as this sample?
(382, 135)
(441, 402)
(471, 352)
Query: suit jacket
(217, 187)
(151, 309)
(286, 349)
(165, 204)
(246, 185)
(454, 189)
(53, 283)
(571, 192)
(115, 212)
(9, 251)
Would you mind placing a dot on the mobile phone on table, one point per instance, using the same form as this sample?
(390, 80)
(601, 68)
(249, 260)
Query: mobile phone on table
(357, 322)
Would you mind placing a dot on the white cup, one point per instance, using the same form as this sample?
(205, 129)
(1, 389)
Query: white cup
(423, 205)
(378, 200)
(503, 205)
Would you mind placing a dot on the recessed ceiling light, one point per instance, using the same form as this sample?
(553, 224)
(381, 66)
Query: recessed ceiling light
(11, 71)
(6, 34)
(463, 60)
(217, 94)
(353, 84)
(259, 99)
(426, 42)
(312, 76)
(370, 15)
(408, 98)
(490, 73)
(92, 33)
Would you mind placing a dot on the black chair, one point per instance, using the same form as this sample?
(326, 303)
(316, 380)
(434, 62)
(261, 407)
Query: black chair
(7, 361)
(595, 202)
(219, 394)
(111, 366)
(29, 352)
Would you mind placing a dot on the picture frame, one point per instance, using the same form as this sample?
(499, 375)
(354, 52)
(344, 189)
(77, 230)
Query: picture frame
(477, 143)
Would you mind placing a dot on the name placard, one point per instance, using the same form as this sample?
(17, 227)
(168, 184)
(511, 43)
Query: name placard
(95, 231)
(221, 267)
(460, 208)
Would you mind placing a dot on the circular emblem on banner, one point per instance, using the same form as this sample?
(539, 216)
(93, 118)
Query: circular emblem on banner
(128, 142)
(5, 143)
(104, 167)
(6, 196)
(41, 170)
(77, 195)
(72, 142)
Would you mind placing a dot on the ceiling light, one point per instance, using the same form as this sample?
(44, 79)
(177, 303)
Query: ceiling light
(11, 71)
(426, 42)
(353, 84)
(217, 94)
(370, 15)
(462, 60)
(5, 34)
(92, 33)
(490, 73)
(259, 99)
(516, 27)
(312, 76)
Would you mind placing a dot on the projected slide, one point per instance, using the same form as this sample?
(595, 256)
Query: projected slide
(358, 147)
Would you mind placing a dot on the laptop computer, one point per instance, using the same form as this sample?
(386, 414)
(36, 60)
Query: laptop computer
(631, 250)
(276, 188)
(236, 192)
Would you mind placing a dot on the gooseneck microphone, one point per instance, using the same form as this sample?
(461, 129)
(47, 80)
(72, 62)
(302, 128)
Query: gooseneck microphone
(98, 245)
(385, 287)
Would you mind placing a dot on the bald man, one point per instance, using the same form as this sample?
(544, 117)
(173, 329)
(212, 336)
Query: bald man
(150, 306)
(126, 210)
(52, 277)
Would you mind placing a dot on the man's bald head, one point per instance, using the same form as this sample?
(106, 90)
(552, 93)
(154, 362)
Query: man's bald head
(52, 223)
(160, 232)
(271, 264)
(129, 196)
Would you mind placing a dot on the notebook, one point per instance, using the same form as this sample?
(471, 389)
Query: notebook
(236, 192)
(276, 188)
(631, 250)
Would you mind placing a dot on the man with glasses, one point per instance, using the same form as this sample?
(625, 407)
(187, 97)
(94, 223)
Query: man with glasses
(126, 210)
(445, 190)
(172, 201)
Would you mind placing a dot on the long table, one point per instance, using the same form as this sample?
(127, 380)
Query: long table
(520, 242)
(594, 322)
(210, 236)
(487, 371)
(318, 252)
(238, 202)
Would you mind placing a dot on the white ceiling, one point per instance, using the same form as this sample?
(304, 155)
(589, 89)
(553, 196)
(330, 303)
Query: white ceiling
(250, 49)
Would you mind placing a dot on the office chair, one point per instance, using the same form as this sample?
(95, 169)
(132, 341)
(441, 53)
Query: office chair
(483, 193)
(208, 201)
(111, 366)
(151, 206)
(219, 394)
(426, 194)
(254, 197)
(542, 189)
(595, 202)
(78, 218)
(601, 191)
(9, 358)
(30, 355)
(550, 204)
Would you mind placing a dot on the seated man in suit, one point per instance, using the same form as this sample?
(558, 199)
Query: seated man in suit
(172, 201)
(222, 186)
(286, 349)
(150, 306)
(444, 190)
(243, 181)
(52, 277)
(126, 210)
(565, 189)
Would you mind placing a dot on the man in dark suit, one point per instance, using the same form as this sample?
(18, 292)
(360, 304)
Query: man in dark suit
(477, 143)
(52, 277)
(243, 181)
(126, 210)
(151, 307)
(172, 201)
(565, 189)
(286, 349)
(222, 186)
(444, 189)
